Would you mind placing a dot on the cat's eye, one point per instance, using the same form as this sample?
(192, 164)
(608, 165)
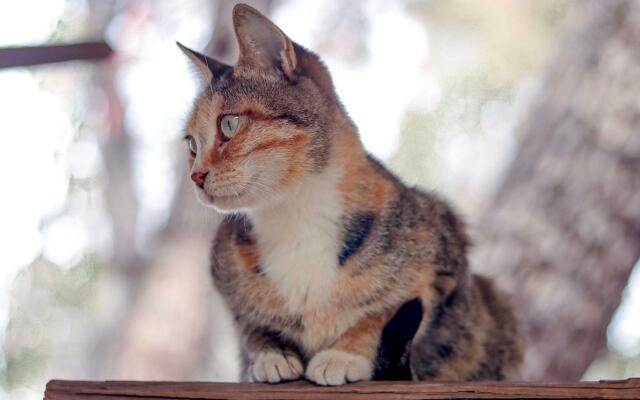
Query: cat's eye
(229, 126)
(193, 146)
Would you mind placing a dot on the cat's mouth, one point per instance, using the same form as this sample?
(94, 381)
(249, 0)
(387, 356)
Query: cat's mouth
(233, 195)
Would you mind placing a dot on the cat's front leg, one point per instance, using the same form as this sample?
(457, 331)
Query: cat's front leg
(271, 360)
(352, 357)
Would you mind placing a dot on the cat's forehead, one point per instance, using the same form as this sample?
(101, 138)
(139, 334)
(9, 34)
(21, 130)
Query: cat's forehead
(235, 89)
(237, 95)
(263, 95)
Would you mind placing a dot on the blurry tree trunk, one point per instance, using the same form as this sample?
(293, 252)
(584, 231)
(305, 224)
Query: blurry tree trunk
(563, 232)
(167, 330)
(121, 203)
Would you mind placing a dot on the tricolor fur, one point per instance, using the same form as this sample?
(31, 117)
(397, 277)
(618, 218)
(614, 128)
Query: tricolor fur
(332, 267)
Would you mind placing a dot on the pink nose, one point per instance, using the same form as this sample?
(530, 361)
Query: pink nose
(198, 178)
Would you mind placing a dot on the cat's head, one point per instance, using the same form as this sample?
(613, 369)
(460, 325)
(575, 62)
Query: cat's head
(263, 125)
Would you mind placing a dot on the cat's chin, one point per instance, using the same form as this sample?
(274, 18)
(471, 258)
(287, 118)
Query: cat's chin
(223, 204)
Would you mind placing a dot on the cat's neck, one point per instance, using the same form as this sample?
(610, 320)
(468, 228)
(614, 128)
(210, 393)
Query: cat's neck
(302, 201)
(298, 237)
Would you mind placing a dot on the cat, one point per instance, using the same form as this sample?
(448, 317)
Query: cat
(333, 268)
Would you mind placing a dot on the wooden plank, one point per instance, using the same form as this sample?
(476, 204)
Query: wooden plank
(122, 390)
(34, 55)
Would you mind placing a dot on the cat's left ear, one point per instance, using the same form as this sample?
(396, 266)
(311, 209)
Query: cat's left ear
(208, 67)
(262, 44)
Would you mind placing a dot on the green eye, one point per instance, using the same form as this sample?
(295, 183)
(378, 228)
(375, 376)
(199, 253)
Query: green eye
(229, 126)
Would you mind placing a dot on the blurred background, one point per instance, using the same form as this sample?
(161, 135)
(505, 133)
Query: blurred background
(523, 113)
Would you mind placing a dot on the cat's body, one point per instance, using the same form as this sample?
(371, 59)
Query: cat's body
(332, 267)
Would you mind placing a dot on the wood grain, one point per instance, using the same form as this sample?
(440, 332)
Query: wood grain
(566, 219)
(123, 390)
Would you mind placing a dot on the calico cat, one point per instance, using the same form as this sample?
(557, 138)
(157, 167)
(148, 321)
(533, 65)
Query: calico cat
(334, 269)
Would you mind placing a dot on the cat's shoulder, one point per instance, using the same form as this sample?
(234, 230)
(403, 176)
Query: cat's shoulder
(416, 204)
(234, 249)
(441, 215)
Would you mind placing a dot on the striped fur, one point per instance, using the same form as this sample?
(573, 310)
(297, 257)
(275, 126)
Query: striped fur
(332, 267)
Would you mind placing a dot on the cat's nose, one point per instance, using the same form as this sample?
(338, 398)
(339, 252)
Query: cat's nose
(198, 178)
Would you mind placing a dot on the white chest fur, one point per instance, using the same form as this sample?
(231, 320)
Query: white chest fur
(299, 239)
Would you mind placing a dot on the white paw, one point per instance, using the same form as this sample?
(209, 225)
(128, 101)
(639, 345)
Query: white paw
(335, 367)
(275, 366)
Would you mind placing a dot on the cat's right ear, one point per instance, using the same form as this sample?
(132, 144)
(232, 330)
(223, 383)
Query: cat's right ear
(208, 67)
(263, 45)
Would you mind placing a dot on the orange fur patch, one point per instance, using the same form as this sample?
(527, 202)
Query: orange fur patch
(363, 337)
(360, 183)
(296, 142)
(248, 256)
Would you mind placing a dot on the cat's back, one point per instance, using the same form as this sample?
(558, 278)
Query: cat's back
(424, 225)
(471, 332)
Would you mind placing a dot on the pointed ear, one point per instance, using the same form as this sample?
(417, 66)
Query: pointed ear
(207, 66)
(262, 44)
